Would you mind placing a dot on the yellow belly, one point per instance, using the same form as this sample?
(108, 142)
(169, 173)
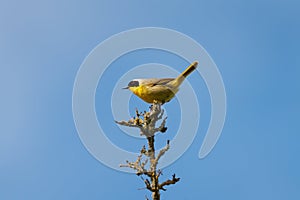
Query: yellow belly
(158, 93)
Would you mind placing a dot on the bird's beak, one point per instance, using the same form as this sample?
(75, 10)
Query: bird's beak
(125, 88)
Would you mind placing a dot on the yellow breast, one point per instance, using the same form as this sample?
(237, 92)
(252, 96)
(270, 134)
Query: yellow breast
(158, 93)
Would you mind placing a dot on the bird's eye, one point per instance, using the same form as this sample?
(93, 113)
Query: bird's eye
(133, 84)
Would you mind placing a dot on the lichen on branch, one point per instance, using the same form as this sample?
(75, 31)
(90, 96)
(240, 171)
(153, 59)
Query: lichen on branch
(146, 163)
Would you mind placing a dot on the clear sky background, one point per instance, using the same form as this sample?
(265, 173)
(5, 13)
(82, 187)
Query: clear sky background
(255, 45)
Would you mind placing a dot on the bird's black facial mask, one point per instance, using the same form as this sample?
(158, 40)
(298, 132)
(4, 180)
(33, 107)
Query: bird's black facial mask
(133, 84)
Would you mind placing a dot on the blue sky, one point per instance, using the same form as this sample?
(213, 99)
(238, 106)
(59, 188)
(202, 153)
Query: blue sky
(255, 45)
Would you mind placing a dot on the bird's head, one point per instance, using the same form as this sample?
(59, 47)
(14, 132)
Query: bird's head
(132, 85)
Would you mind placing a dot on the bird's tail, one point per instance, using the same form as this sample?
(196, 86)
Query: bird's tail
(189, 70)
(184, 74)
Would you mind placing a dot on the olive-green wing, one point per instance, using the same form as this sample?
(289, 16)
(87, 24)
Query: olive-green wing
(156, 81)
(163, 81)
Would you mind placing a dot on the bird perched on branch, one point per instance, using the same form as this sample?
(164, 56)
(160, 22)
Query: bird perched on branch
(161, 90)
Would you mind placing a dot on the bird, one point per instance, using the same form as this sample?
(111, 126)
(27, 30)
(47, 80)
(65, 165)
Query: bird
(159, 90)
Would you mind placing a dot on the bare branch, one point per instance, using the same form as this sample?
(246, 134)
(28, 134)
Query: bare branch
(146, 122)
(129, 124)
(162, 127)
(169, 182)
(162, 152)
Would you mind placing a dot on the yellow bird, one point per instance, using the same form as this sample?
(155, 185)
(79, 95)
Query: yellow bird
(160, 90)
